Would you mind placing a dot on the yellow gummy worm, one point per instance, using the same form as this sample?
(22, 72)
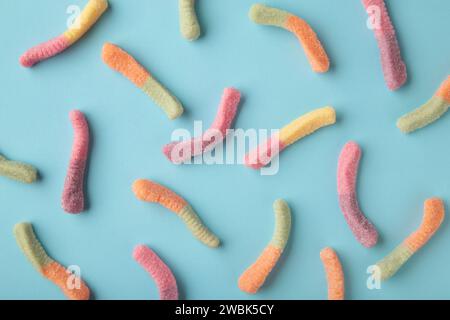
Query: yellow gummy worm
(150, 191)
(433, 216)
(189, 26)
(307, 124)
(49, 268)
(121, 61)
(429, 112)
(254, 277)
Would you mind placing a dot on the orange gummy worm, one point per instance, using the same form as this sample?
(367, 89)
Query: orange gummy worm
(335, 275)
(121, 61)
(150, 191)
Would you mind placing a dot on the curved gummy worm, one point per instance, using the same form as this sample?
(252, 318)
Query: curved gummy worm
(433, 216)
(394, 68)
(159, 271)
(296, 130)
(429, 112)
(119, 60)
(46, 266)
(178, 152)
(254, 277)
(150, 191)
(189, 26)
(17, 170)
(347, 172)
(335, 275)
(73, 193)
(88, 17)
(315, 53)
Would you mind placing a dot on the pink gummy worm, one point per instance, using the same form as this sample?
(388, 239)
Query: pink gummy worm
(73, 194)
(361, 227)
(44, 51)
(226, 113)
(264, 153)
(394, 68)
(159, 271)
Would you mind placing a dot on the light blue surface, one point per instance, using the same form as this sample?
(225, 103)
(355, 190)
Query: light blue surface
(397, 172)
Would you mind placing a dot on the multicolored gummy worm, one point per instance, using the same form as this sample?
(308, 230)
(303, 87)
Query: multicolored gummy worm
(178, 152)
(17, 170)
(315, 53)
(347, 172)
(429, 112)
(158, 270)
(335, 275)
(254, 277)
(296, 130)
(46, 266)
(119, 60)
(433, 216)
(394, 68)
(150, 191)
(189, 26)
(88, 17)
(73, 193)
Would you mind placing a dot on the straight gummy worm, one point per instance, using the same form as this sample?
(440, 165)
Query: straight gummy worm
(17, 170)
(433, 216)
(347, 172)
(158, 270)
(315, 53)
(178, 152)
(150, 191)
(73, 193)
(119, 60)
(429, 112)
(88, 17)
(189, 26)
(46, 266)
(296, 130)
(394, 68)
(335, 275)
(254, 277)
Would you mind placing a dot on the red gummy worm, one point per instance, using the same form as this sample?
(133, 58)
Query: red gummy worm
(394, 68)
(44, 51)
(73, 193)
(178, 152)
(361, 227)
(159, 271)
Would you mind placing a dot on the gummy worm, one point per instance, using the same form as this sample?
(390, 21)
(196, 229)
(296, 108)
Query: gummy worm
(429, 112)
(73, 193)
(17, 170)
(158, 270)
(296, 130)
(189, 26)
(335, 275)
(347, 172)
(394, 68)
(178, 152)
(46, 266)
(254, 277)
(315, 53)
(433, 216)
(119, 60)
(88, 17)
(150, 191)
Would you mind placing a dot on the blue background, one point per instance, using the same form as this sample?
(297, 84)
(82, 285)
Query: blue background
(397, 172)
